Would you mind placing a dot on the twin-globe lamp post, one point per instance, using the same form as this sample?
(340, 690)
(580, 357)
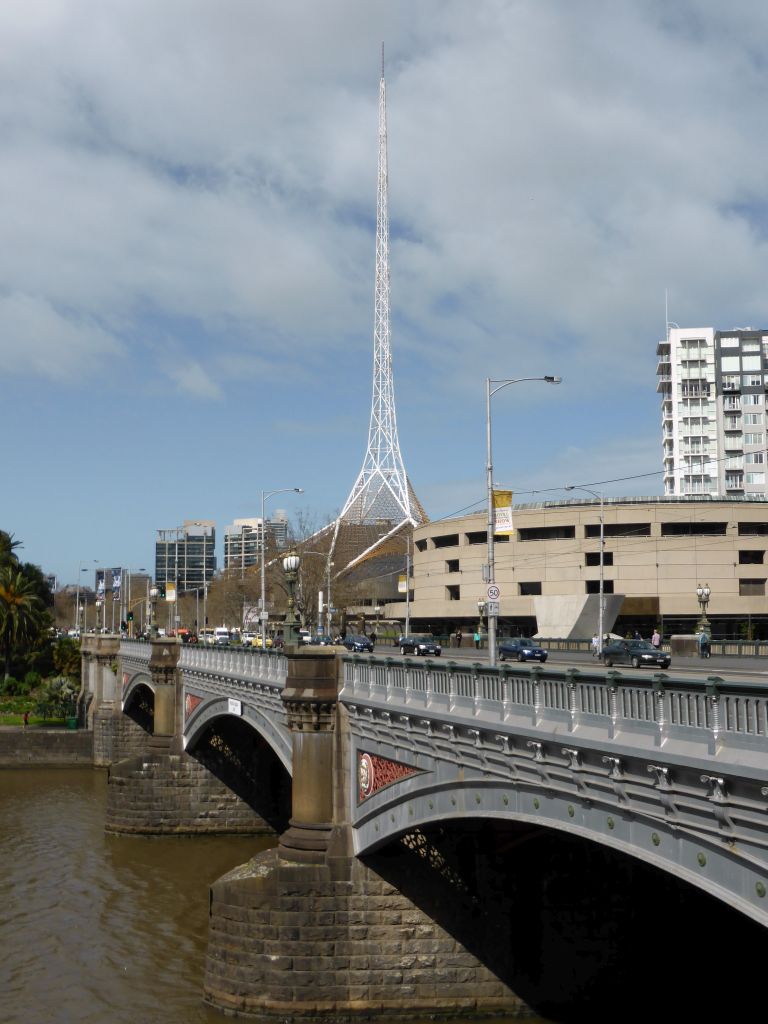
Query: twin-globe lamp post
(703, 594)
(601, 608)
(263, 610)
(491, 388)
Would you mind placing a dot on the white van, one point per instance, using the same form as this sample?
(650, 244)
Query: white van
(221, 636)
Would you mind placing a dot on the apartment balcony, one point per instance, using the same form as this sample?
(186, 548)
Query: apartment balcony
(664, 383)
(663, 348)
(734, 483)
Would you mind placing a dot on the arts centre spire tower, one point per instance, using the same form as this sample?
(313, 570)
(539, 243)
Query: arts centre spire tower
(382, 503)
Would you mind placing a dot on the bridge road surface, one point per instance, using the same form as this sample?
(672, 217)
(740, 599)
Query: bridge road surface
(728, 667)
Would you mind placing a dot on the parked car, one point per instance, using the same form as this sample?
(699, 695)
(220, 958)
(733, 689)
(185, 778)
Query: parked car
(256, 642)
(247, 639)
(636, 653)
(353, 642)
(417, 645)
(521, 649)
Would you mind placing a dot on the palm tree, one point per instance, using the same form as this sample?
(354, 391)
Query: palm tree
(7, 549)
(21, 612)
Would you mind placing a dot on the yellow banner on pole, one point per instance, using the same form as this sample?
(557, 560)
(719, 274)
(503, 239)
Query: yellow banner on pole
(502, 512)
(402, 585)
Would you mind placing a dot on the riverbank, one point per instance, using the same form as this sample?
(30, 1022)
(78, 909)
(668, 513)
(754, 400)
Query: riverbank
(40, 747)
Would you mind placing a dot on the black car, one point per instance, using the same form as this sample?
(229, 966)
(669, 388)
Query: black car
(419, 645)
(636, 653)
(322, 641)
(522, 649)
(357, 643)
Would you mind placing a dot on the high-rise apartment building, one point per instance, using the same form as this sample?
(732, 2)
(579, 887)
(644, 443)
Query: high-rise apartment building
(186, 555)
(713, 411)
(243, 539)
(242, 543)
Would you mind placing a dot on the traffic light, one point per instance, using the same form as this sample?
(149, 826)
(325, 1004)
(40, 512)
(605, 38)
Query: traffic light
(130, 616)
(161, 591)
(124, 625)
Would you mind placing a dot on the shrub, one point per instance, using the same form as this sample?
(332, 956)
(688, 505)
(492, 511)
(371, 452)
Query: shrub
(32, 680)
(11, 687)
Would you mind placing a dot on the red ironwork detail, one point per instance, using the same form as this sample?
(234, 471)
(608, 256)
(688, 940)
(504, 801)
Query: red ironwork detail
(190, 703)
(374, 773)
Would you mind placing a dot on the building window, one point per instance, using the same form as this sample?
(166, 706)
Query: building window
(529, 589)
(750, 363)
(593, 586)
(754, 438)
(753, 529)
(477, 537)
(752, 419)
(421, 545)
(751, 557)
(619, 530)
(547, 533)
(751, 588)
(755, 478)
(752, 400)
(693, 529)
(446, 540)
(452, 593)
(452, 565)
(730, 364)
(593, 558)
(754, 458)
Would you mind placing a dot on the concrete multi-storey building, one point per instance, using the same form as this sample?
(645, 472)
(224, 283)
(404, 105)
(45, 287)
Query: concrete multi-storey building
(713, 411)
(242, 543)
(656, 553)
(186, 555)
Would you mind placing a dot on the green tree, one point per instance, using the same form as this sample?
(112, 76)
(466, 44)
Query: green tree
(66, 658)
(22, 613)
(8, 549)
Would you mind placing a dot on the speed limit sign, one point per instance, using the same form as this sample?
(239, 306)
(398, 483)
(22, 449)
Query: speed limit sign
(493, 592)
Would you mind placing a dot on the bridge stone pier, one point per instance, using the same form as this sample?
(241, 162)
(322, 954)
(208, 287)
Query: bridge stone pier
(309, 930)
(155, 786)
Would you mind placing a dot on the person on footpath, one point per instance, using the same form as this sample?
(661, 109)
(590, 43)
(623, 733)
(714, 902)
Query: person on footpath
(704, 648)
(26, 719)
(595, 645)
(656, 639)
(458, 638)
(477, 641)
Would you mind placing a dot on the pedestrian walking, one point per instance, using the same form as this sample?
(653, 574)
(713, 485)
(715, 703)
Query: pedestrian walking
(595, 645)
(458, 638)
(477, 640)
(26, 719)
(656, 639)
(704, 648)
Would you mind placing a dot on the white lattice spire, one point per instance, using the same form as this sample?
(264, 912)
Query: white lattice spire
(382, 492)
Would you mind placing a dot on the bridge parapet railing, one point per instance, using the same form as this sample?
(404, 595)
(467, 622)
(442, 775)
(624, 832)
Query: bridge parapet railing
(247, 665)
(704, 718)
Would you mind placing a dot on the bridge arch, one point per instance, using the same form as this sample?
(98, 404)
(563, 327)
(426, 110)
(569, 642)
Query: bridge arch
(203, 716)
(138, 698)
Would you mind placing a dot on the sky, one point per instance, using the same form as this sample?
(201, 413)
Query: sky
(187, 206)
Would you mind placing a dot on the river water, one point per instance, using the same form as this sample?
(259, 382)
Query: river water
(98, 929)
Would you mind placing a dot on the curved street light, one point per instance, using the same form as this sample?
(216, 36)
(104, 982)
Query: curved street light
(264, 496)
(490, 391)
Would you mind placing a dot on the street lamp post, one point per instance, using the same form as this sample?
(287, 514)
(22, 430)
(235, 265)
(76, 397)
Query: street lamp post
(600, 610)
(490, 391)
(291, 569)
(153, 611)
(264, 496)
(481, 613)
(80, 569)
(703, 594)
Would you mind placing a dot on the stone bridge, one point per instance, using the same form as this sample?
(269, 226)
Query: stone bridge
(398, 768)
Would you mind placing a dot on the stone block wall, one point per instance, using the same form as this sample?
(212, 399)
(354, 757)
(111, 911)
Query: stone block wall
(294, 941)
(43, 748)
(172, 794)
(116, 737)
